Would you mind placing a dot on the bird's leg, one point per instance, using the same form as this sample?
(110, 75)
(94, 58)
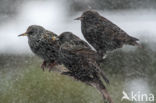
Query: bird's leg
(43, 65)
(51, 65)
(101, 88)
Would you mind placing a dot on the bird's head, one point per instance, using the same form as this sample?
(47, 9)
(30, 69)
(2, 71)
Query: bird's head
(67, 36)
(34, 31)
(89, 15)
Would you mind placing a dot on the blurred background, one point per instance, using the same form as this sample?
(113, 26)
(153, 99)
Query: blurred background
(129, 69)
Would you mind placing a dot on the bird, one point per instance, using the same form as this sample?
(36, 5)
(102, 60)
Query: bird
(82, 65)
(103, 34)
(43, 43)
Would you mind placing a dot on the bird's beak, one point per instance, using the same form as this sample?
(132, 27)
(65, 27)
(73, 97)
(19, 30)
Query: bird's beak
(24, 34)
(79, 18)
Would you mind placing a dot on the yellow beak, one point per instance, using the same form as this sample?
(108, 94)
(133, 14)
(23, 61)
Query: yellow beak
(24, 34)
(79, 18)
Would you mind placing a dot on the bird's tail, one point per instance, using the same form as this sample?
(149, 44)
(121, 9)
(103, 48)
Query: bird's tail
(136, 44)
(104, 77)
(101, 88)
(102, 74)
(133, 41)
(139, 45)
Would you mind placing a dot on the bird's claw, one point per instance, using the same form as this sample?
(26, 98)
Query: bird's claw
(51, 65)
(43, 66)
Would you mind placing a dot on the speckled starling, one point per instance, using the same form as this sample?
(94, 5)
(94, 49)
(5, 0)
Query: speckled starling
(42, 43)
(102, 34)
(82, 65)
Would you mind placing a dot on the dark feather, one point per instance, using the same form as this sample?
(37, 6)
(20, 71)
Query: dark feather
(102, 34)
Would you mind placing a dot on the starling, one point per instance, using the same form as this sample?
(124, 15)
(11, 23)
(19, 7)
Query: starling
(82, 65)
(102, 34)
(42, 42)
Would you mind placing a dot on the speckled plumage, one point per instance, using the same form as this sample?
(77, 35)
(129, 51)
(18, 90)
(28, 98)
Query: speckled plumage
(41, 43)
(76, 43)
(102, 34)
(82, 65)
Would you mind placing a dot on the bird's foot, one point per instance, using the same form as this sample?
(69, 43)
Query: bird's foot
(51, 65)
(43, 66)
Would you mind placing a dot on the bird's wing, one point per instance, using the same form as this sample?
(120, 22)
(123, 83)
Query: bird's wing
(91, 57)
(85, 52)
(113, 32)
